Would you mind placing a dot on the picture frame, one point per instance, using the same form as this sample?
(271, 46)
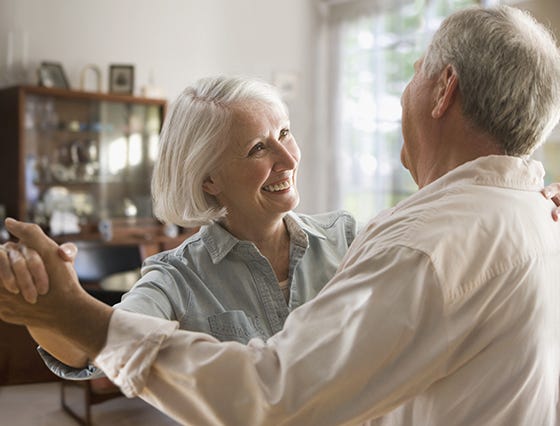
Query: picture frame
(52, 75)
(287, 83)
(121, 79)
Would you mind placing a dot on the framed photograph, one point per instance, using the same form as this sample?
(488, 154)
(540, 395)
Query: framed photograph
(51, 74)
(287, 83)
(121, 79)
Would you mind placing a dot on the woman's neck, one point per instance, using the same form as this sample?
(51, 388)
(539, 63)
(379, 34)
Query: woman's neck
(272, 239)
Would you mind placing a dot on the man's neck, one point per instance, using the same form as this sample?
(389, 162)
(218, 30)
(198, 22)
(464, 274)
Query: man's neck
(458, 150)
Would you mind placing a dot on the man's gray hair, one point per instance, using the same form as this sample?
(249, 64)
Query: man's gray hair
(192, 142)
(509, 73)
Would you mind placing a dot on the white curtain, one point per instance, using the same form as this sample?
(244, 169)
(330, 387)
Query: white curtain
(366, 52)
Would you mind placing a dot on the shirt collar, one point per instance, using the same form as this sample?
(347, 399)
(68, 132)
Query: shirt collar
(500, 170)
(493, 170)
(296, 220)
(219, 242)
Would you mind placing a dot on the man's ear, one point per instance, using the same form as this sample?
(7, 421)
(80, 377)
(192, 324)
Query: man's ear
(210, 187)
(446, 91)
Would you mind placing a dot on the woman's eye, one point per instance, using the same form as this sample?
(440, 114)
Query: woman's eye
(258, 147)
(284, 133)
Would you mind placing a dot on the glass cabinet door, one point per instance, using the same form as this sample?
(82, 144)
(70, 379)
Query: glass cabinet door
(88, 159)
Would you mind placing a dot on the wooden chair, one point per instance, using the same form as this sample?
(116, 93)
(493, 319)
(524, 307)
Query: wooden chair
(95, 264)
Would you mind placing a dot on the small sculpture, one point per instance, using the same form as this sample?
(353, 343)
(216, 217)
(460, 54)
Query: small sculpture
(97, 72)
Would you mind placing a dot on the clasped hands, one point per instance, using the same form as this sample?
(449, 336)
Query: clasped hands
(23, 272)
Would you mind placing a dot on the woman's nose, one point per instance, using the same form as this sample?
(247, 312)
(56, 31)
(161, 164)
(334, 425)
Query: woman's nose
(286, 156)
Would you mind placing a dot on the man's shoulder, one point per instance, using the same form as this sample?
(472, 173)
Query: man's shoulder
(471, 233)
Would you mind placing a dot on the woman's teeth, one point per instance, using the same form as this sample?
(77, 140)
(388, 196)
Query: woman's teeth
(277, 187)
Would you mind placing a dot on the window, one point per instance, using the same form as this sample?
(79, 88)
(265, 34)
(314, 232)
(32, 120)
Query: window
(375, 53)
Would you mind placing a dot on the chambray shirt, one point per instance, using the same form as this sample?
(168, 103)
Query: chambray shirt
(217, 284)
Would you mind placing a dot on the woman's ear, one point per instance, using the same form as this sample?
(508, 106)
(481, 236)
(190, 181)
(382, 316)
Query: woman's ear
(211, 187)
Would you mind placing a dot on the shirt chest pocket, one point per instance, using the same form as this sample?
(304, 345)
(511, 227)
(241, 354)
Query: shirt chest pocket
(236, 326)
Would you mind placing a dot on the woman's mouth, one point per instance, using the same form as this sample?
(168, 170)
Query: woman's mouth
(276, 187)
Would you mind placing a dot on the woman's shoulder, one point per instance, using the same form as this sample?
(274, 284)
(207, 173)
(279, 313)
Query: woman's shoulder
(327, 219)
(178, 252)
(329, 224)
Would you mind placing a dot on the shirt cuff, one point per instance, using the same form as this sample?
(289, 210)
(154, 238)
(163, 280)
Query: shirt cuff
(133, 343)
(65, 371)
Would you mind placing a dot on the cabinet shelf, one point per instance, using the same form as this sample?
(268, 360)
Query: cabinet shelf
(98, 147)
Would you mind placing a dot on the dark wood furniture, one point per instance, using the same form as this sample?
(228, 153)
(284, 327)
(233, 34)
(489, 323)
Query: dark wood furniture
(20, 362)
(96, 150)
(85, 156)
(95, 263)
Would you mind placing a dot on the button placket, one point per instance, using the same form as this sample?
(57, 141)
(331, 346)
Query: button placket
(267, 287)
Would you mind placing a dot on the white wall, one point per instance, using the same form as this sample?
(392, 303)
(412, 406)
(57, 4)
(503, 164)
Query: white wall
(545, 11)
(548, 13)
(179, 41)
(182, 40)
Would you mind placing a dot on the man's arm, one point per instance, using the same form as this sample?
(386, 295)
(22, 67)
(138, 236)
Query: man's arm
(346, 356)
(359, 349)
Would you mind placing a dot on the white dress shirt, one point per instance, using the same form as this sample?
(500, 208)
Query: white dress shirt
(445, 311)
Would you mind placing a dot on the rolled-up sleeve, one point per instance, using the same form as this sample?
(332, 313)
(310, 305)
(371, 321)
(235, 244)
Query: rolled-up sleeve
(133, 343)
(65, 371)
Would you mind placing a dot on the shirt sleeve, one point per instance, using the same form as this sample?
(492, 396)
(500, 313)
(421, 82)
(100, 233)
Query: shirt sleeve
(66, 372)
(161, 292)
(156, 294)
(372, 339)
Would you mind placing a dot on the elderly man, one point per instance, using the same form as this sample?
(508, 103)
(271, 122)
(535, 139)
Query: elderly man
(445, 310)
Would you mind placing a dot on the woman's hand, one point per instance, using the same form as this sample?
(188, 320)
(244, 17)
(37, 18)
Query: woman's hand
(552, 192)
(22, 270)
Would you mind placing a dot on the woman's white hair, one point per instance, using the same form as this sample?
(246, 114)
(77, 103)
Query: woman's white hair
(509, 73)
(192, 141)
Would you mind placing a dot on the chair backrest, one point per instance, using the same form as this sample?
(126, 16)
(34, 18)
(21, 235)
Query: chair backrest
(96, 260)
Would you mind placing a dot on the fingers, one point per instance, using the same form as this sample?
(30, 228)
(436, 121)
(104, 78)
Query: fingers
(6, 274)
(61, 274)
(24, 279)
(37, 269)
(68, 252)
(22, 271)
(552, 192)
(32, 236)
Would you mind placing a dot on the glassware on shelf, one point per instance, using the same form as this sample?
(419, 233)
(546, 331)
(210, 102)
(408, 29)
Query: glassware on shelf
(98, 147)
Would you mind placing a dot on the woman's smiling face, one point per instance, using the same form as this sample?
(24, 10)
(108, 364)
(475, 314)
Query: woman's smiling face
(256, 180)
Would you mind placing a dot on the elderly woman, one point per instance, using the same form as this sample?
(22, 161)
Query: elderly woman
(228, 163)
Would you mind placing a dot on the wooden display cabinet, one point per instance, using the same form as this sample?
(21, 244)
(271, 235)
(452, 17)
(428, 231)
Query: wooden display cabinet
(70, 155)
(72, 161)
